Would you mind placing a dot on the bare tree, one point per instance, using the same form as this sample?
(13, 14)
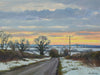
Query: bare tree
(4, 39)
(65, 52)
(42, 42)
(12, 45)
(22, 45)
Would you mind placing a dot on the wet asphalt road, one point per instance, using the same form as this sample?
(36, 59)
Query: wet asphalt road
(41, 68)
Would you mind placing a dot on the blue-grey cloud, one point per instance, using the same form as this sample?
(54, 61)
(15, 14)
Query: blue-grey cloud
(86, 4)
(57, 14)
(22, 5)
(46, 15)
(84, 34)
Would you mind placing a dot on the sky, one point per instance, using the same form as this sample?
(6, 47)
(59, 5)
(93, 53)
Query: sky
(56, 19)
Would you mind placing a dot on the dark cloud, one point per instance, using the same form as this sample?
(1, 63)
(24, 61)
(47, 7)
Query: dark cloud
(85, 4)
(84, 34)
(90, 4)
(56, 35)
(21, 35)
(33, 15)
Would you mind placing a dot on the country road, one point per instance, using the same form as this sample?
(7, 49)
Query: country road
(41, 68)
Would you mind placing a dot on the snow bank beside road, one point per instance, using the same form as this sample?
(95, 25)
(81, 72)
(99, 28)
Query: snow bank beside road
(11, 64)
(70, 67)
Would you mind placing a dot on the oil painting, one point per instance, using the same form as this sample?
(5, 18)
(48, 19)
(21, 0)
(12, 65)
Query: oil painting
(49, 37)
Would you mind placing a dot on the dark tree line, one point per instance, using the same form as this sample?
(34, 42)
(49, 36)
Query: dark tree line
(22, 44)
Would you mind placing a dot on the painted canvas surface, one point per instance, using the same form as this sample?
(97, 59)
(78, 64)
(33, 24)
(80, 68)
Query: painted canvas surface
(49, 37)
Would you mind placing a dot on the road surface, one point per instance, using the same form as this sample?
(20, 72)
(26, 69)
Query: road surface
(41, 68)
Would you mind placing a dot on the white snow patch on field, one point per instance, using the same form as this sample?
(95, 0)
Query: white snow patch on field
(11, 64)
(71, 67)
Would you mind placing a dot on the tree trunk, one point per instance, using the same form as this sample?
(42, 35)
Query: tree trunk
(41, 52)
(22, 54)
(2, 46)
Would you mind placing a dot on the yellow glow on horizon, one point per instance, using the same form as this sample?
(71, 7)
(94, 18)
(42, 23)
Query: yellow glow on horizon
(62, 38)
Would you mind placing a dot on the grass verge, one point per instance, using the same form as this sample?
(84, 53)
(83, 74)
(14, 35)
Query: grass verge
(59, 68)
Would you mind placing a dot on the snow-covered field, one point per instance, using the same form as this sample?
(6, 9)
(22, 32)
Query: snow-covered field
(11, 64)
(84, 49)
(70, 67)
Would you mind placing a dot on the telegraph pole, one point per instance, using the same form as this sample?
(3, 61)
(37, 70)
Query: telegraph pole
(70, 44)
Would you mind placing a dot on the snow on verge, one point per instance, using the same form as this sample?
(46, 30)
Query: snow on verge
(70, 67)
(11, 64)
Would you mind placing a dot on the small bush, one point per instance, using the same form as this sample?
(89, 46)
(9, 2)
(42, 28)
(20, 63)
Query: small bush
(54, 53)
(68, 57)
(90, 57)
(65, 52)
(8, 55)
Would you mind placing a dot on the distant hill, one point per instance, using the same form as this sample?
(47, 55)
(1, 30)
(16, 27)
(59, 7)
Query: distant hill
(87, 46)
(78, 45)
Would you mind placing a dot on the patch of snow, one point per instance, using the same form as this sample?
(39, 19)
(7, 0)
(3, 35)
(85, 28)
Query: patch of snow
(11, 64)
(70, 67)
